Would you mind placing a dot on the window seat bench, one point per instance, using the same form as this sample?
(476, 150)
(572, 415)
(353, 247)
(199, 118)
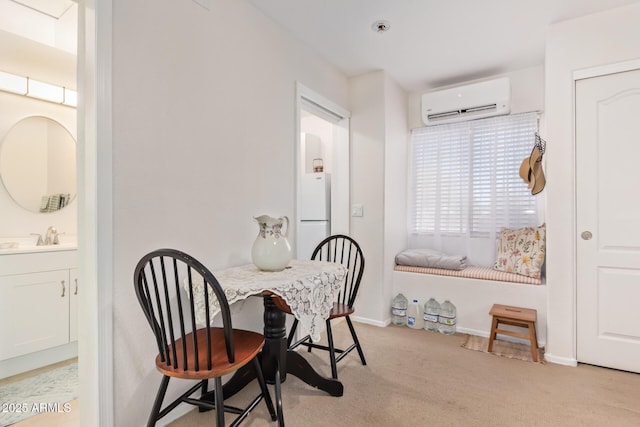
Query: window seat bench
(473, 272)
(473, 291)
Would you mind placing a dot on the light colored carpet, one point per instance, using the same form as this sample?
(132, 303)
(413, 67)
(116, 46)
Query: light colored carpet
(508, 349)
(419, 378)
(48, 391)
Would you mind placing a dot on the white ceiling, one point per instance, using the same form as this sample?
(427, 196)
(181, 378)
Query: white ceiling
(35, 43)
(52, 8)
(431, 43)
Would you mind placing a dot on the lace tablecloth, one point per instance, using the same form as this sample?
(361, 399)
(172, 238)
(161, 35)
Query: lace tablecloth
(309, 287)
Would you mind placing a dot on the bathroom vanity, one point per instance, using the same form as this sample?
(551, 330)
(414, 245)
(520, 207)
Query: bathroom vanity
(39, 292)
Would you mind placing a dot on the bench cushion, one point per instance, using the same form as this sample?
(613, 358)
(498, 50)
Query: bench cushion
(473, 272)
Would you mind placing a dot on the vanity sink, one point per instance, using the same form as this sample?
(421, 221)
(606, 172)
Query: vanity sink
(18, 245)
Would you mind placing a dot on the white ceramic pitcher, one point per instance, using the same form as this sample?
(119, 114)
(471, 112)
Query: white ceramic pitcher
(271, 250)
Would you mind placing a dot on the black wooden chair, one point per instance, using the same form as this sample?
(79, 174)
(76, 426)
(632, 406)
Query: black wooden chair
(160, 280)
(346, 251)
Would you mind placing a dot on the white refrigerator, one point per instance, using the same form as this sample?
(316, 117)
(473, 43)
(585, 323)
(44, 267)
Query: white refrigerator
(315, 212)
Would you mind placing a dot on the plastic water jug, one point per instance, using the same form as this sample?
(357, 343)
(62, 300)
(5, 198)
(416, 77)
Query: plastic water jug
(399, 310)
(447, 318)
(431, 313)
(415, 315)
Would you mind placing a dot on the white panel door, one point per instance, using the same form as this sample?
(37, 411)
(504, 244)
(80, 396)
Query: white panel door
(608, 220)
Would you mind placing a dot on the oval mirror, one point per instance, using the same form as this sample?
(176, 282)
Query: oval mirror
(38, 164)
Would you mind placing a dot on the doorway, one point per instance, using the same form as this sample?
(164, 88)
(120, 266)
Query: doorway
(608, 234)
(322, 153)
(39, 51)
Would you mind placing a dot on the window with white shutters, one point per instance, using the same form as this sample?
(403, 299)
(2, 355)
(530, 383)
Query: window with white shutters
(465, 179)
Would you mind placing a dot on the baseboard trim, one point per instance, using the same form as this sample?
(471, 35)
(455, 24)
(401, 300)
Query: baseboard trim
(567, 361)
(27, 362)
(368, 321)
(470, 331)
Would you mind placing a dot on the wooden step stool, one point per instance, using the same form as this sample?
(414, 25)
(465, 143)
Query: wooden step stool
(514, 316)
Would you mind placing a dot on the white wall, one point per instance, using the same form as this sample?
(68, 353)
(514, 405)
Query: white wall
(395, 187)
(203, 140)
(367, 105)
(594, 40)
(379, 136)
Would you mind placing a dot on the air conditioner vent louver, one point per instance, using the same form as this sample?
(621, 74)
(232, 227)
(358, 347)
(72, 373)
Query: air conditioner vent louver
(473, 101)
(493, 108)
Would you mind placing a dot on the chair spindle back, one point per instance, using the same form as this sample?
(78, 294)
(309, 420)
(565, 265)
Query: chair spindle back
(160, 280)
(346, 251)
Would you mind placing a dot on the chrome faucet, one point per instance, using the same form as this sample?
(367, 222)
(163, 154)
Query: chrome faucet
(51, 238)
(40, 241)
(56, 241)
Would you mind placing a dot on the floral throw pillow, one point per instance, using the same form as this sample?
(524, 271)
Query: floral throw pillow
(521, 251)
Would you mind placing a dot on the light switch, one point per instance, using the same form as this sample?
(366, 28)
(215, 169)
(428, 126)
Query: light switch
(356, 209)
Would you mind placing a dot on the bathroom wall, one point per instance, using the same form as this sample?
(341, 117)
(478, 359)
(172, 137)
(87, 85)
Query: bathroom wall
(48, 59)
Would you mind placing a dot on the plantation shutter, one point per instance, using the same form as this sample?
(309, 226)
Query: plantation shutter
(465, 178)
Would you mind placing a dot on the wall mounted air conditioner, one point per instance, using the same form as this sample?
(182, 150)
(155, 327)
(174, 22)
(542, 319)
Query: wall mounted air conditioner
(474, 101)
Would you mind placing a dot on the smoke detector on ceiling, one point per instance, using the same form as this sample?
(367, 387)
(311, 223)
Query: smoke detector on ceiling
(381, 26)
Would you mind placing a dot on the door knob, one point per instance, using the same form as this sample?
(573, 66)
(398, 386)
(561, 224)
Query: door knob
(586, 235)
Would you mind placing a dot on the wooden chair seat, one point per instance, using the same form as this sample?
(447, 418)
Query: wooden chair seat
(340, 310)
(247, 346)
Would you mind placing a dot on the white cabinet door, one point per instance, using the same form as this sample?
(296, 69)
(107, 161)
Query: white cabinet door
(608, 213)
(34, 312)
(73, 304)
